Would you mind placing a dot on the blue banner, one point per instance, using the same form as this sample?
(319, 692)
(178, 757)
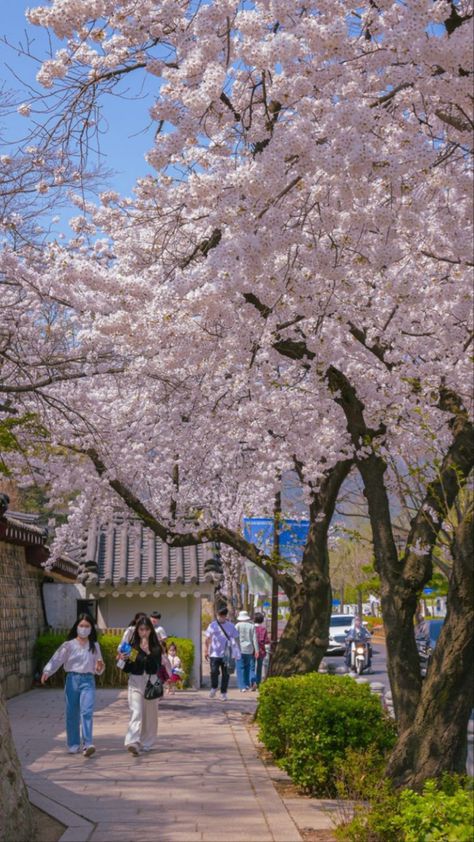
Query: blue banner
(292, 538)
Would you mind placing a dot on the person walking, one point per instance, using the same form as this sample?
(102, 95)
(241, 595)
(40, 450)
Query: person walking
(81, 658)
(221, 637)
(130, 630)
(248, 649)
(155, 618)
(263, 641)
(143, 725)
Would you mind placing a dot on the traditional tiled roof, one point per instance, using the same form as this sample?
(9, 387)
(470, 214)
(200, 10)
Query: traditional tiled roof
(23, 528)
(125, 552)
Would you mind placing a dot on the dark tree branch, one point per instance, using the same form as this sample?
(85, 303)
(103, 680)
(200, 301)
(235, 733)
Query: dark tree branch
(200, 536)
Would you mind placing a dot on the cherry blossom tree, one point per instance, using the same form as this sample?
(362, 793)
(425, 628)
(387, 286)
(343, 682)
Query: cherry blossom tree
(290, 291)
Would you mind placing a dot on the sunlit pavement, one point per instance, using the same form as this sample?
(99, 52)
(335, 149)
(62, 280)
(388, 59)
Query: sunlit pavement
(203, 783)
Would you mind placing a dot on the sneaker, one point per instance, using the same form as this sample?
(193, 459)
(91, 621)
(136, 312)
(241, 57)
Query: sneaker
(212, 693)
(253, 688)
(223, 697)
(133, 749)
(89, 751)
(244, 690)
(74, 750)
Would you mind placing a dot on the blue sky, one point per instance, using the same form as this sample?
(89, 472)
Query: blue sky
(128, 135)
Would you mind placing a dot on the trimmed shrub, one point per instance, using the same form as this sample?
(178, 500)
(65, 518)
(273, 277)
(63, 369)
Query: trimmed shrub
(112, 676)
(46, 645)
(360, 774)
(442, 812)
(44, 648)
(309, 722)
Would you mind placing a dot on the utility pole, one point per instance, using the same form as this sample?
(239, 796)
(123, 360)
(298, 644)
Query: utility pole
(276, 553)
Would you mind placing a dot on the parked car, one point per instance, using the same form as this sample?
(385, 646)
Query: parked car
(338, 628)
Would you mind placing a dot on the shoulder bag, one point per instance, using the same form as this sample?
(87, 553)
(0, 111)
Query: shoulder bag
(228, 658)
(153, 689)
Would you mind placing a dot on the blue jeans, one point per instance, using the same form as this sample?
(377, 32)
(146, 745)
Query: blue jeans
(256, 672)
(79, 693)
(244, 667)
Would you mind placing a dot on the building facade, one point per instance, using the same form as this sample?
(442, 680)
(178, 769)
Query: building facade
(23, 552)
(126, 568)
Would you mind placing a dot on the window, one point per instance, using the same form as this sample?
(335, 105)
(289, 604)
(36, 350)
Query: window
(87, 606)
(343, 620)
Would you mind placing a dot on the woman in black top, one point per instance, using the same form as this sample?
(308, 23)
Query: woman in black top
(143, 725)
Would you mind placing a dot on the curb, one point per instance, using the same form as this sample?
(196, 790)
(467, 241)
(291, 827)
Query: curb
(280, 822)
(78, 829)
(316, 816)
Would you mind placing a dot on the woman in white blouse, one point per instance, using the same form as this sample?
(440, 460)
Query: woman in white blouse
(82, 660)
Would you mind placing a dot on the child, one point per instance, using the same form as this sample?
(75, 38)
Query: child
(177, 671)
(82, 660)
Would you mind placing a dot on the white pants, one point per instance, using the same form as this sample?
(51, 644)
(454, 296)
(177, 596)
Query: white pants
(143, 725)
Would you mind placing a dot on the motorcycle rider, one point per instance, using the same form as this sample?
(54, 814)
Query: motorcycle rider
(357, 633)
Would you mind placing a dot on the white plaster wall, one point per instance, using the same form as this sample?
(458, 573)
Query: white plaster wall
(180, 617)
(60, 601)
(194, 624)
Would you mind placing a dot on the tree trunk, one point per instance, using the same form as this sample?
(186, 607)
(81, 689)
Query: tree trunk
(304, 641)
(15, 812)
(436, 741)
(398, 602)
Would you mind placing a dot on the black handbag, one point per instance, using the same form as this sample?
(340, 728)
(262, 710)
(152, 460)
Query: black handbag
(153, 689)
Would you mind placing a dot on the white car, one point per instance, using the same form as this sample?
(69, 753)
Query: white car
(339, 626)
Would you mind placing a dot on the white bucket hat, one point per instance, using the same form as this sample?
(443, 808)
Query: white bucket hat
(242, 616)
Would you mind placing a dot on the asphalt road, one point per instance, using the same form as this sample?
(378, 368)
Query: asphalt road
(379, 664)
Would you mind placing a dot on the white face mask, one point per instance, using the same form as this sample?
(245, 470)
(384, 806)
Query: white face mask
(82, 631)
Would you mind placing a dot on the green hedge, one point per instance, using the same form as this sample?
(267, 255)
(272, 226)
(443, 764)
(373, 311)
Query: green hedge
(442, 812)
(46, 645)
(309, 722)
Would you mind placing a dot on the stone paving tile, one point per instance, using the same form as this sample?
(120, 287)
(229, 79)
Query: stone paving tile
(203, 783)
(112, 832)
(61, 813)
(236, 836)
(76, 834)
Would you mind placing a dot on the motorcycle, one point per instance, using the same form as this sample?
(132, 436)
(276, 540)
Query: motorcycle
(359, 656)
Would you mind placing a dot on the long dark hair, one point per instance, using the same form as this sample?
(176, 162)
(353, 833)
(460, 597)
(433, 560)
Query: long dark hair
(93, 635)
(152, 640)
(136, 618)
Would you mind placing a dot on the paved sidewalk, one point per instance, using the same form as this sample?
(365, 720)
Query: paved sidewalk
(204, 783)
